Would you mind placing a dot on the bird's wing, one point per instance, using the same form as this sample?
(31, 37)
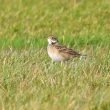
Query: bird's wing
(65, 50)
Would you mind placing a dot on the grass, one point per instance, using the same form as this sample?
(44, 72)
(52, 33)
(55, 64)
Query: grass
(28, 78)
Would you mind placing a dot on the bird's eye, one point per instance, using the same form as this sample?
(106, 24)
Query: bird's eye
(54, 38)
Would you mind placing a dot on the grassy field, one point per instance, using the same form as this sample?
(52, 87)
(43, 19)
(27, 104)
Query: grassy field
(28, 78)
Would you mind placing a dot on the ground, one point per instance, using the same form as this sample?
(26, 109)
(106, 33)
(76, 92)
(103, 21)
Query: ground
(29, 80)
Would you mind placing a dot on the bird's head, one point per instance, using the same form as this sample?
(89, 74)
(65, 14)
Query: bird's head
(52, 39)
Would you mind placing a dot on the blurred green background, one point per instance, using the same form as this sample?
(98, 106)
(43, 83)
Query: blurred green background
(25, 23)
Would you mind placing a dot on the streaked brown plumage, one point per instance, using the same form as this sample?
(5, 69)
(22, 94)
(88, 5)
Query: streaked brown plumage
(59, 52)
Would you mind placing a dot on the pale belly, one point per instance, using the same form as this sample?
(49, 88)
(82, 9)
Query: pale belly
(55, 56)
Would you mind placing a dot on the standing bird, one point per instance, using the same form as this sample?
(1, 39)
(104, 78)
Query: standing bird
(59, 52)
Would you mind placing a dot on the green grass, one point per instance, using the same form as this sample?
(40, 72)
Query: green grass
(28, 78)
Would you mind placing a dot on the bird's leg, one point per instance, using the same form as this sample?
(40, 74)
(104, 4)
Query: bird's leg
(52, 62)
(61, 63)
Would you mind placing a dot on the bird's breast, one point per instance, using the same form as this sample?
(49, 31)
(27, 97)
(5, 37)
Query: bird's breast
(54, 54)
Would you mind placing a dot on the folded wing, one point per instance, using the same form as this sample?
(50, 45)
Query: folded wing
(67, 52)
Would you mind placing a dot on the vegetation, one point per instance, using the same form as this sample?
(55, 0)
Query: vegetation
(28, 78)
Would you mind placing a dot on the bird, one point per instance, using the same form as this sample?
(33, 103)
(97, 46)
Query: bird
(58, 52)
